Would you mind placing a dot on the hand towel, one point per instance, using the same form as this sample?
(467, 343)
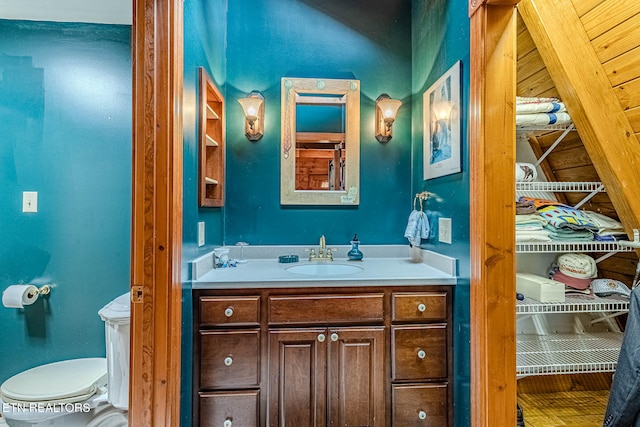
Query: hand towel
(417, 227)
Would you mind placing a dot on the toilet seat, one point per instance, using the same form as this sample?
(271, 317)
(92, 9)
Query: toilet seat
(68, 381)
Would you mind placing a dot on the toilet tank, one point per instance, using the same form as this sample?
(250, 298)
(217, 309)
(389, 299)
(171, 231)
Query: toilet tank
(116, 316)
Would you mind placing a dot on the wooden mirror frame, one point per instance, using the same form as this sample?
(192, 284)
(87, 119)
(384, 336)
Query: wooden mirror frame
(291, 87)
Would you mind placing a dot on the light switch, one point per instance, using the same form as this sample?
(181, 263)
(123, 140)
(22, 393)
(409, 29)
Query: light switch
(201, 233)
(444, 230)
(29, 201)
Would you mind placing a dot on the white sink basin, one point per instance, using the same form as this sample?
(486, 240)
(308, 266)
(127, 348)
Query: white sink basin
(324, 269)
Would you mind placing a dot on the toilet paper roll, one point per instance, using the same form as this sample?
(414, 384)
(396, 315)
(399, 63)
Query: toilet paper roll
(526, 172)
(17, 296)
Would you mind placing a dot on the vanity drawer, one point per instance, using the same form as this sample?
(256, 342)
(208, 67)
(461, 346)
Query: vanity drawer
(229, 311)
(419, 352)
(241, 408)
(229, 358)
(326, 309)
(419, 306)
(420, 405)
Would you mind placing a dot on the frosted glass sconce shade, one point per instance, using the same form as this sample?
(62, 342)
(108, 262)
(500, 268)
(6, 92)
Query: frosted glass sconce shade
(253, 108)
(386, 110)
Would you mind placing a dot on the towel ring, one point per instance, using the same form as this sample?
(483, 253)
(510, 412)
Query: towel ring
(420, 196)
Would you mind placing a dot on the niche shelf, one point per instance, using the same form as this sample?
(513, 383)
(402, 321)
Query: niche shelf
(211, 136)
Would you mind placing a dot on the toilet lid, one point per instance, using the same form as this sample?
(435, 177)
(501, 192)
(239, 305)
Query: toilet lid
(67, 381)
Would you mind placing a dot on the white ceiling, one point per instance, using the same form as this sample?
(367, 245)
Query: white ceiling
(103, 12)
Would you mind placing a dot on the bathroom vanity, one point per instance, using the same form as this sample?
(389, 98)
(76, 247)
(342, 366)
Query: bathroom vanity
(366, 348)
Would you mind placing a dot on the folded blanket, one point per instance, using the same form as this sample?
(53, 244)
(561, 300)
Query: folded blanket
(525, 208)
(540, 107)
(534, 100)
(542, 119)
(564, 235)
(531, 220)
(560, 216)
(606, 226)
(610, 237)
(532, 236)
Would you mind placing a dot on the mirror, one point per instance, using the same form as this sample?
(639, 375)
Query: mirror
(320, 150)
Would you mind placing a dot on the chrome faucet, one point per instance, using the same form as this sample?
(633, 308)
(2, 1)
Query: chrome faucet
(324, 254)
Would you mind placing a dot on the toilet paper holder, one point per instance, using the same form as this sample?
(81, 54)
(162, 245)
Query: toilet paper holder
(42, 290)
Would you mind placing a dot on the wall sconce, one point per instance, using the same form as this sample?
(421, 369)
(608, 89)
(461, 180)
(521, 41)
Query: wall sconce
(253, 108)
(386, 110)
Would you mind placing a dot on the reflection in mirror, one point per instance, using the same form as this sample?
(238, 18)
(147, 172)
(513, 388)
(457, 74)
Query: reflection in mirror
(320, 141)
(320, 148)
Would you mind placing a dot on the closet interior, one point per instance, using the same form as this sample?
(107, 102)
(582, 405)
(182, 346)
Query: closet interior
(567, 343)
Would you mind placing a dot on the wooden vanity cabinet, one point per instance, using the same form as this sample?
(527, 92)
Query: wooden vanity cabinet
(360, 356)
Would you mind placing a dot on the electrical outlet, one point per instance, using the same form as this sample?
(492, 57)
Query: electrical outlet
(201, 233)
(444, 230)
(29, 201)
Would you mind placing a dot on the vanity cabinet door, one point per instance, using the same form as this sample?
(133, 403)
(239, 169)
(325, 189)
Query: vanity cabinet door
(297, 377)
(356, 376)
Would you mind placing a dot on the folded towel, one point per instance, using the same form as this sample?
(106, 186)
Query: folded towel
(542, 119)
(606, 226)
(418, 228)
(540, 107)
(531, 219)
(525, 208)
(534, 100)
(532, 236)
(562, 234)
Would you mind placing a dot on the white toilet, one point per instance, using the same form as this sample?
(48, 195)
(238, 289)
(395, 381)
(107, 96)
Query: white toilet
(88, 392)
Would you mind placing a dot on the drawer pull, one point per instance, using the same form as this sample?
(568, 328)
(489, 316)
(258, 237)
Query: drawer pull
(228, 361)
(228, 311)
(422, 354)
(334, 337)
(421, 307)
(321, 337)
(422, 415)
(227, 423)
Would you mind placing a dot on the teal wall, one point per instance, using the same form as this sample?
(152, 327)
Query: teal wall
(65, 120)
(440, 38)
(205, 25)
(269, 39)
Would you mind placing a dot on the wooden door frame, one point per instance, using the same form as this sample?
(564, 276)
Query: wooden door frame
(493, 34)
(156, 242)
(157, 38)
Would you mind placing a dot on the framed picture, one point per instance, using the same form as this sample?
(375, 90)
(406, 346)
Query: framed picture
(441, 121)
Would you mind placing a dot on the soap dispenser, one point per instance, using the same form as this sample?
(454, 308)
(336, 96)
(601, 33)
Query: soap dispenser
(355, 254)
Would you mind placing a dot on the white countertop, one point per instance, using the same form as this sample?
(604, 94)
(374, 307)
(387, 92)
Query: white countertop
(395, 270)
